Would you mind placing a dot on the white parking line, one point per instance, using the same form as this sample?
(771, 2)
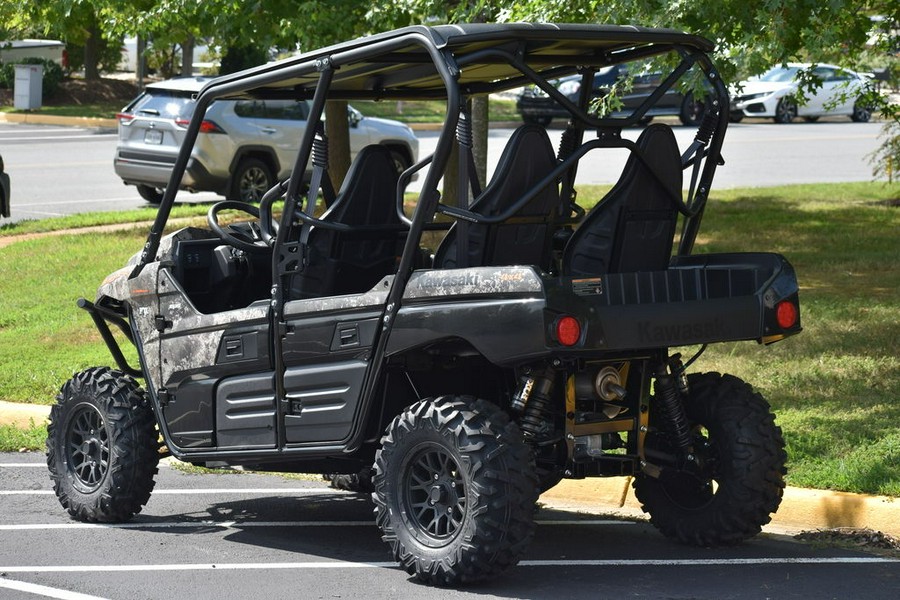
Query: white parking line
(687, 562)
(43, 590)
(249, 524)
(22, 465)
(284, 491)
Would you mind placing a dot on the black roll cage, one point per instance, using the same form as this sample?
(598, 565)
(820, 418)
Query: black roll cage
(435, 62)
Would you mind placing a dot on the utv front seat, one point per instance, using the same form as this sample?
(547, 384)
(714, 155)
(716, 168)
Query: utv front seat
(348, 262)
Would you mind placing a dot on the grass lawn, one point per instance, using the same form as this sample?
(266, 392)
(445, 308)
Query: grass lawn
(833, 387)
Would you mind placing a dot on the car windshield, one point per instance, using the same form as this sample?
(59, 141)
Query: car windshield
(779, 74)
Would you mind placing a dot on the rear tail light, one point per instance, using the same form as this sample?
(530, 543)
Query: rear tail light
(125, 118)
(786, 314)
(206, 126)
(568, 330)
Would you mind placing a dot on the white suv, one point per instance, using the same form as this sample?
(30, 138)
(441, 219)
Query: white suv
(244, 146)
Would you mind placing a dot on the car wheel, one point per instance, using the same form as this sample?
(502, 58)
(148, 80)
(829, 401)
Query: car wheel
(810, 119)
(735, 116)
(737, 479)
(786, 111)
(401, 159)
(250, 181)
(102, 446)
(861, 113)
(455, 488)
(153, 195)
(692, 111)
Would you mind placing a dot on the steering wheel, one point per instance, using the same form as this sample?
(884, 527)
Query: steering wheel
(243, 236)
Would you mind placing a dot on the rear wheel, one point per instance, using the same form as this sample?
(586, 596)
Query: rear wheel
(692, 111)
(738, 481)
(861, 113)
(153, 195)
(250, 181)
(454, 490)
(102, 446)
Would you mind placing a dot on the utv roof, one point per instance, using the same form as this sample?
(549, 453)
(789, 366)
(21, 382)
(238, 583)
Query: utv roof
(400, 63)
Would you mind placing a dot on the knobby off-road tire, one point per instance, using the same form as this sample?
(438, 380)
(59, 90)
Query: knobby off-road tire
(454, 490)
(102, 446)
(743, 453)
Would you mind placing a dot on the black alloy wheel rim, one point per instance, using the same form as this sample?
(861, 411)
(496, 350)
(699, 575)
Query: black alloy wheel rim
(435, 495)
(87, 448)
(254, 184)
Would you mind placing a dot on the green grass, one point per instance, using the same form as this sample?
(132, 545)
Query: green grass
(431, 111)
(95, 219)
(18, 439)
(833, 387)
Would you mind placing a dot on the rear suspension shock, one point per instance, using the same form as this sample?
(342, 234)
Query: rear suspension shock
(534, 400)
(669, 385)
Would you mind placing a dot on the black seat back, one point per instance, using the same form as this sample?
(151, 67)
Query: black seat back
(527, 158)
(353, 262)
(633, 227)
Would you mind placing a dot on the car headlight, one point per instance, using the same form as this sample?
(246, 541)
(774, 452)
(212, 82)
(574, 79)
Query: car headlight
(749, 97)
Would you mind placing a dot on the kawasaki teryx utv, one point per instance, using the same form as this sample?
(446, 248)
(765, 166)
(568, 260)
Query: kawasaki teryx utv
(532, 341)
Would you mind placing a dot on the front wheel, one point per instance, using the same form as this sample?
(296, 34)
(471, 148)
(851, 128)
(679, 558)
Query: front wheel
(454, 490)
(786, 111)
(102, 446)
(738, 479)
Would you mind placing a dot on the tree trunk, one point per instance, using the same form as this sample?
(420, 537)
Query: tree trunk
(92, 49)
(480, 124)
(337, 128)
(187, 56)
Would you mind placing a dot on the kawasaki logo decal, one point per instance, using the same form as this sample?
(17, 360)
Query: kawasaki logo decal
(681, 332)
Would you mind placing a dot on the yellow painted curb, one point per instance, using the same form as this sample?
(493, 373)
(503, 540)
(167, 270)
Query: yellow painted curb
(23, 415)
(39, 119)
(800, 508)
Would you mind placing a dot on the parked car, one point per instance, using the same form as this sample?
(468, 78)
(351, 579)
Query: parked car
(4, 191)
(772, 95)
(536, 106)
(244, 145)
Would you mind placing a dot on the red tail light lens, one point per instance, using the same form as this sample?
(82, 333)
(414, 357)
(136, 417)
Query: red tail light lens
(786, 314)
(568, 331)
(206, 126)
(124, 118)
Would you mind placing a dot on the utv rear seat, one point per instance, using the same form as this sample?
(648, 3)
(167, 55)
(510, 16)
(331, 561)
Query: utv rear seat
(525, 239)
(632, 229)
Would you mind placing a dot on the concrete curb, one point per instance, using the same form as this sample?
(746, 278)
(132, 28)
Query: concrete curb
(801, 509)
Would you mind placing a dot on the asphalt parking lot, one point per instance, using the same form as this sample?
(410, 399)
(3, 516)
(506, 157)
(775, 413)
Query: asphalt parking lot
(239, 535)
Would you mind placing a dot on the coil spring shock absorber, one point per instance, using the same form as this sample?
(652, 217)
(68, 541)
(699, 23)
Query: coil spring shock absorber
(320, 150)
(534, 401)
(668, 387)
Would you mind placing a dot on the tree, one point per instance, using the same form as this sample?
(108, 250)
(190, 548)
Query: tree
(752, 36)
(76, 22)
